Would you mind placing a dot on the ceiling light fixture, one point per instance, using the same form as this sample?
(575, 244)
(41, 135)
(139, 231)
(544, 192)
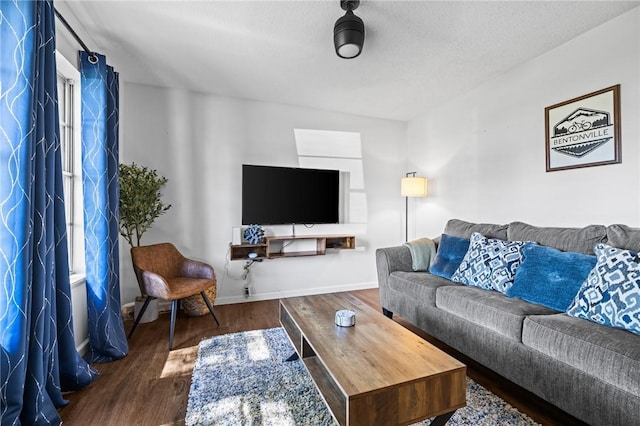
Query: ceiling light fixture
(348, 32)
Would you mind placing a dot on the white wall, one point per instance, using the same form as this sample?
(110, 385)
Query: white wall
(199, 142)
(484, 152)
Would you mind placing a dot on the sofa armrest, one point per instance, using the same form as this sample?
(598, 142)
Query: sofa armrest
(391, 259)
(388, 260)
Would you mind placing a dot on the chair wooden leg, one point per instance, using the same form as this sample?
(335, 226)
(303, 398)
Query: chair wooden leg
(139, 317)
(206, 300)
(174, 309)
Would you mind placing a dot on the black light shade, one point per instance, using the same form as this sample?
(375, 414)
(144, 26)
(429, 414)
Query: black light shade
(348, 33)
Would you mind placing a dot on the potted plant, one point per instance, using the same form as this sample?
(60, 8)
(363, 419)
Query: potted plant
(140, 205)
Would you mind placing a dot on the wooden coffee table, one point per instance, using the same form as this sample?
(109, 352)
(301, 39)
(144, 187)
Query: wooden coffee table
(376, 372)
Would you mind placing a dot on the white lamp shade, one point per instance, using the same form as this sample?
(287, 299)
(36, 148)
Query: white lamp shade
(413, 186)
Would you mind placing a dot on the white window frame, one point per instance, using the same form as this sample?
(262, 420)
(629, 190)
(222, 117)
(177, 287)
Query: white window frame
(330, 149)
(76, 237)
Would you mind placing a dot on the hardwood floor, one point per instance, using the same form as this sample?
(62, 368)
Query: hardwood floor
(150, 386)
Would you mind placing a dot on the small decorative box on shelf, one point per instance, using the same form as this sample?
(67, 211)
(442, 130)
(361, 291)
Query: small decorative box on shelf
(275, 247)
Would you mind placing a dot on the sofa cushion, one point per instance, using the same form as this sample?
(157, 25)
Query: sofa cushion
(489, 263)
(451, 251)
(581, 240)
(623, 237)
(550, 277)
(420, 286)
(489, 309)
(460, 228)
(611, 293)
(610, 355)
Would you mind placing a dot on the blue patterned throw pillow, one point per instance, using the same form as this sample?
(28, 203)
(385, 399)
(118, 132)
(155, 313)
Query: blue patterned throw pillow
(611, 293)
(489, 263)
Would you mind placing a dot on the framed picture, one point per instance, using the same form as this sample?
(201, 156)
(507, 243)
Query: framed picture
(584, 131)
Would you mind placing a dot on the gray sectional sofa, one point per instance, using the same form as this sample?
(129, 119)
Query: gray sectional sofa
(589, 370)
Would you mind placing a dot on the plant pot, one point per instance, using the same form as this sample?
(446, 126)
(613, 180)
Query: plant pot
(151, 314)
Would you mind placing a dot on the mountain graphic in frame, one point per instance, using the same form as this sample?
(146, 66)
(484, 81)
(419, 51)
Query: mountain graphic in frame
(584, 131)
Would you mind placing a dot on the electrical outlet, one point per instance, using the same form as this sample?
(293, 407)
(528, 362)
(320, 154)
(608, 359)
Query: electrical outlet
(247, 292)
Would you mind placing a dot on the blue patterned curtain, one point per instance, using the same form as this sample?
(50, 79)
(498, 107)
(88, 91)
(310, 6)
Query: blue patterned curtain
(38, 356)
(107, 339)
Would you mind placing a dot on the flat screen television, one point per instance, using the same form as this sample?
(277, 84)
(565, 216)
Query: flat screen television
(289, 195)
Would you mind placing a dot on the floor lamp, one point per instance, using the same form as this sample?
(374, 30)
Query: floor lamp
(411, 186)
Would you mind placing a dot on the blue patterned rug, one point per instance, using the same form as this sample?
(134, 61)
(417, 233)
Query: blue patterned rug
(243, 379)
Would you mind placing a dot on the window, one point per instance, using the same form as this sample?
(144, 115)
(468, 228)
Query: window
(69, 104)
(69, 112)
(325, 149)
(65, 110)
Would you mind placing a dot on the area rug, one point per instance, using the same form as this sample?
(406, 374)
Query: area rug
(243, 379)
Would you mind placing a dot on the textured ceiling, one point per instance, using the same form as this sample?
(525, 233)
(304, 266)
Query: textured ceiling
(417, 54)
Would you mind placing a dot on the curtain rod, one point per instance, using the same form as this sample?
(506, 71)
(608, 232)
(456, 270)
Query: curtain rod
(92, 57)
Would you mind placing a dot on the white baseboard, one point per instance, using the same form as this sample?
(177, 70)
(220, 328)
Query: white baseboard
(294, 293)
(164, 305)
(83, 347)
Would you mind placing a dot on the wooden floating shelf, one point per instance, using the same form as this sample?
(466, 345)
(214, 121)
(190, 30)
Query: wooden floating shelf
(274, 247)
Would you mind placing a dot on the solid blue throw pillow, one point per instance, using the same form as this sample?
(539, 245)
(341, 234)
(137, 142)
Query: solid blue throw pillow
(550, 277)
(451, 251)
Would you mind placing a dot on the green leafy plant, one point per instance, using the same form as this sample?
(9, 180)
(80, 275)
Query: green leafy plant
(140, 200)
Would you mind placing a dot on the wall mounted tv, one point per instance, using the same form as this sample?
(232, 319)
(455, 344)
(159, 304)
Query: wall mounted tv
(288, 195)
